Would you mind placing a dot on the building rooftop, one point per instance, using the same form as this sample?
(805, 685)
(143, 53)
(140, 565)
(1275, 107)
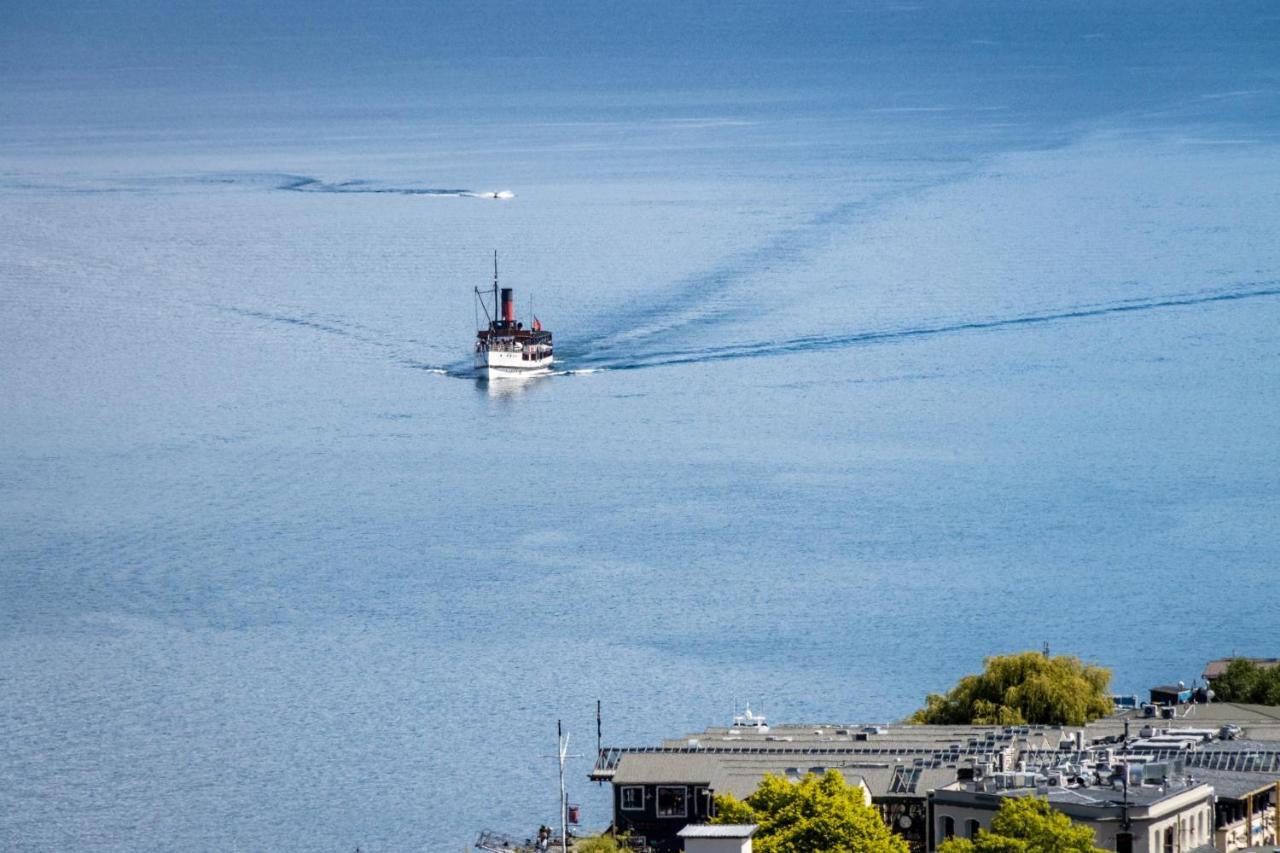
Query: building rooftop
(1235, 747)
(1232, 784)
(718, 830)
(1257, 722)
(894, 736)
(1105, 796)
(1215, 668)
(739, 774)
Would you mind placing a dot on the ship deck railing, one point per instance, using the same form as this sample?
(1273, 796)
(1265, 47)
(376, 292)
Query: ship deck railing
(505, 346)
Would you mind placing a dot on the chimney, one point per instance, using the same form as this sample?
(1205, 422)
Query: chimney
(508, 305)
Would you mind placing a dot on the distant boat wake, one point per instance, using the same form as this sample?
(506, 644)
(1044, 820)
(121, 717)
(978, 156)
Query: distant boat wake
(315, 185)
(256, 181)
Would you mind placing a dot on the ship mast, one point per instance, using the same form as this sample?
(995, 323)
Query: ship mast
(495, 284)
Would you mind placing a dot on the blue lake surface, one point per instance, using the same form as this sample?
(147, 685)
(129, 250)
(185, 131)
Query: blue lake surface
(893, 336)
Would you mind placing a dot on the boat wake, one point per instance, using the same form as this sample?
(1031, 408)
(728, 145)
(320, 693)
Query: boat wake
(354, 332)
(709, 298)
(584, 362)
(327, 325)
(643, 358)
(303, 184)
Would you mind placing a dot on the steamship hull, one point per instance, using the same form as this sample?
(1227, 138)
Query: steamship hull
(510, 365)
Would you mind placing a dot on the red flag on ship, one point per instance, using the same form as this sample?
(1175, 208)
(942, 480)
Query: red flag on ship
(537, 324)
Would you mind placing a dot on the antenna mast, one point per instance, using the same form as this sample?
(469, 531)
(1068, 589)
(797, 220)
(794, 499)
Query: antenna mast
(562, 753)
(563, 744)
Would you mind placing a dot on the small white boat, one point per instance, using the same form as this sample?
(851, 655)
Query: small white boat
(505, 349)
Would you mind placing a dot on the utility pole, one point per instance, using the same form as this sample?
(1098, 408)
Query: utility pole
(562, 752)
(563, 741)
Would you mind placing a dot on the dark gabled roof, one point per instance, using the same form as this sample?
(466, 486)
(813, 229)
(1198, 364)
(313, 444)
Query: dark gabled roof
(1214, 668)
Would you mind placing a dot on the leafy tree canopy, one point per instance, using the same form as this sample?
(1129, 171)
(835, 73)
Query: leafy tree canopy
(1026, 825)
(1245, 681)
(816, 814)
(1024, 688)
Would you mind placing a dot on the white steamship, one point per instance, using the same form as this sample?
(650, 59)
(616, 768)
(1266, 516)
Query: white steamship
(505, 348)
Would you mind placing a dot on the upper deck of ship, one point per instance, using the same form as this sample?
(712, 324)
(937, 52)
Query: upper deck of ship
(503, 327)
(510, 330)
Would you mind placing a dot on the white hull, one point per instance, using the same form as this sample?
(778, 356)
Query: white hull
(497, 364)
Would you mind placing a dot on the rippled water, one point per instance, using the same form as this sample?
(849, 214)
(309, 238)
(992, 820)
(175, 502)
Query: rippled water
(859, 385)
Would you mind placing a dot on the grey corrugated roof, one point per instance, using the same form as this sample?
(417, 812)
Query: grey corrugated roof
(742, 780)
(740, 773)
(648, 768)
(1234, 784)
(718, 830)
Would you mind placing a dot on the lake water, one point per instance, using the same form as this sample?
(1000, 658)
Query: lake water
(893, 338)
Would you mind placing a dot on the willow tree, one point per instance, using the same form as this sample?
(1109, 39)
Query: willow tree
(1024, 688)
(1245, 681)
(818, 813)
(1026, 825)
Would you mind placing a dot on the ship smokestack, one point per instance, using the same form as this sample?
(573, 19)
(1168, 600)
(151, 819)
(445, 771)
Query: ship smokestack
(508, 305)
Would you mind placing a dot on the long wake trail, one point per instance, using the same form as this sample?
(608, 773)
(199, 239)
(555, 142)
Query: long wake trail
(819, 343)
(585, 362)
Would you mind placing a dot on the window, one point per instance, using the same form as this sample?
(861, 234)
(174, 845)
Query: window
(1168, 840)
(671, 802)
(971, 829)
(904, 780)
(948, 827)
(633, 798)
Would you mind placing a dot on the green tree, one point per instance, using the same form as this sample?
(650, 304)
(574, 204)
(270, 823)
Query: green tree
(1024, 688)
(1026, 825)
(816, 815)
(1245, 681)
